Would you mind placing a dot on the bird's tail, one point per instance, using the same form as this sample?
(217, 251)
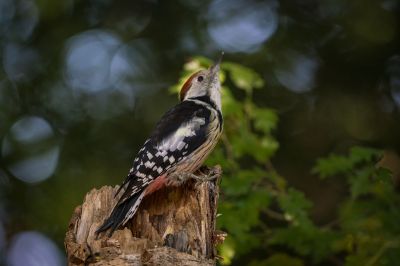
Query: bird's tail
(121, 213)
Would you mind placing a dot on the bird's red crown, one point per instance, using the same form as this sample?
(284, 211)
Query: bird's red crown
(186, 86)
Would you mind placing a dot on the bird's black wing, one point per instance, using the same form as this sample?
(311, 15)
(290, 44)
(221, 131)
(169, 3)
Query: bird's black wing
(178, 133)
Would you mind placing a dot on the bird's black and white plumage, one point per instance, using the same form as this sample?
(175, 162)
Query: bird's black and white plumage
(180, 143)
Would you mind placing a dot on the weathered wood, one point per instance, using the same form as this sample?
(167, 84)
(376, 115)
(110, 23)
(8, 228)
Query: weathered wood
(173, 226)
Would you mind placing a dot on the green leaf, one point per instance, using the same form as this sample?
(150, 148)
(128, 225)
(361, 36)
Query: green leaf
(336, 164)
(383, 186)
(265, 120)
(295, 206)
(231, 108)
(306, 241)
(243, 77)
(240, 183)
(218, 157)
(362, 154)
(332, 165)
(227, 251)
(268, 147)
(361, 183)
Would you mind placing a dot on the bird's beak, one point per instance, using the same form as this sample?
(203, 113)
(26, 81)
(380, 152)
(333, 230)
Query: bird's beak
(215, 68)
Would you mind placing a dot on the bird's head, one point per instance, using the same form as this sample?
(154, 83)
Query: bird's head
(204, 83)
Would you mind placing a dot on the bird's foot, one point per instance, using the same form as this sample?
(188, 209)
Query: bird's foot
(178, 178)
(201, 177)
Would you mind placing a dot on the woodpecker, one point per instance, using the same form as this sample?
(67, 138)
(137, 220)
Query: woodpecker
(178, 146)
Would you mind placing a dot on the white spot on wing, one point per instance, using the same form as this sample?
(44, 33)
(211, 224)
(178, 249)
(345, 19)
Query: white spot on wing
(181, 145)
(159, 170)
(175, 140)
(141, 175)
(149, 164)
(171, 159)
(161, 153)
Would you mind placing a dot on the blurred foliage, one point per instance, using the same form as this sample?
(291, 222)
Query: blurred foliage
(259, 209)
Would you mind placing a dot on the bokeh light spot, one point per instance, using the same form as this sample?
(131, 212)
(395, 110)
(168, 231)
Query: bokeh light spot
(88, 60)
(241, 26)
(111, 72)
(298, 73)
(30, 150)
(33, 249)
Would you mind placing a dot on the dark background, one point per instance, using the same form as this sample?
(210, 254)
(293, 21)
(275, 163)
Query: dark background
(83, 82)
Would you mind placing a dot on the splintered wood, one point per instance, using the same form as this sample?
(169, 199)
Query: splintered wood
(173, 226)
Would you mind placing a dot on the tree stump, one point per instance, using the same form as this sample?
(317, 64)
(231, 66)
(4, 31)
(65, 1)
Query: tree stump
(173, 226)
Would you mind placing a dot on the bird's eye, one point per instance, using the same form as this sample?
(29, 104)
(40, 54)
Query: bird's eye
(200, 78)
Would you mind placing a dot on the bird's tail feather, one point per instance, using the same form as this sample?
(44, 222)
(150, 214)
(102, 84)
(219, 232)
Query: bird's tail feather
(121, 213)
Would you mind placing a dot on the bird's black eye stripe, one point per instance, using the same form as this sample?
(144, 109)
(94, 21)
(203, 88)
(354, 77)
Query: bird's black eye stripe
(200, 78)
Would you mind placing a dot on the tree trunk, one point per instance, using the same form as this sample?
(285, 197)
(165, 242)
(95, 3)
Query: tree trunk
(173, 226)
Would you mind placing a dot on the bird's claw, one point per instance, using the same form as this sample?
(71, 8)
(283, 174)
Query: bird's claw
(212, 175)
(179, 178)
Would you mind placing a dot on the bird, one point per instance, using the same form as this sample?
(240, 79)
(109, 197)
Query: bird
(181, 141)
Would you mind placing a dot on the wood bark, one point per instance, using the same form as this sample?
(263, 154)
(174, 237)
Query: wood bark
(173, 226)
